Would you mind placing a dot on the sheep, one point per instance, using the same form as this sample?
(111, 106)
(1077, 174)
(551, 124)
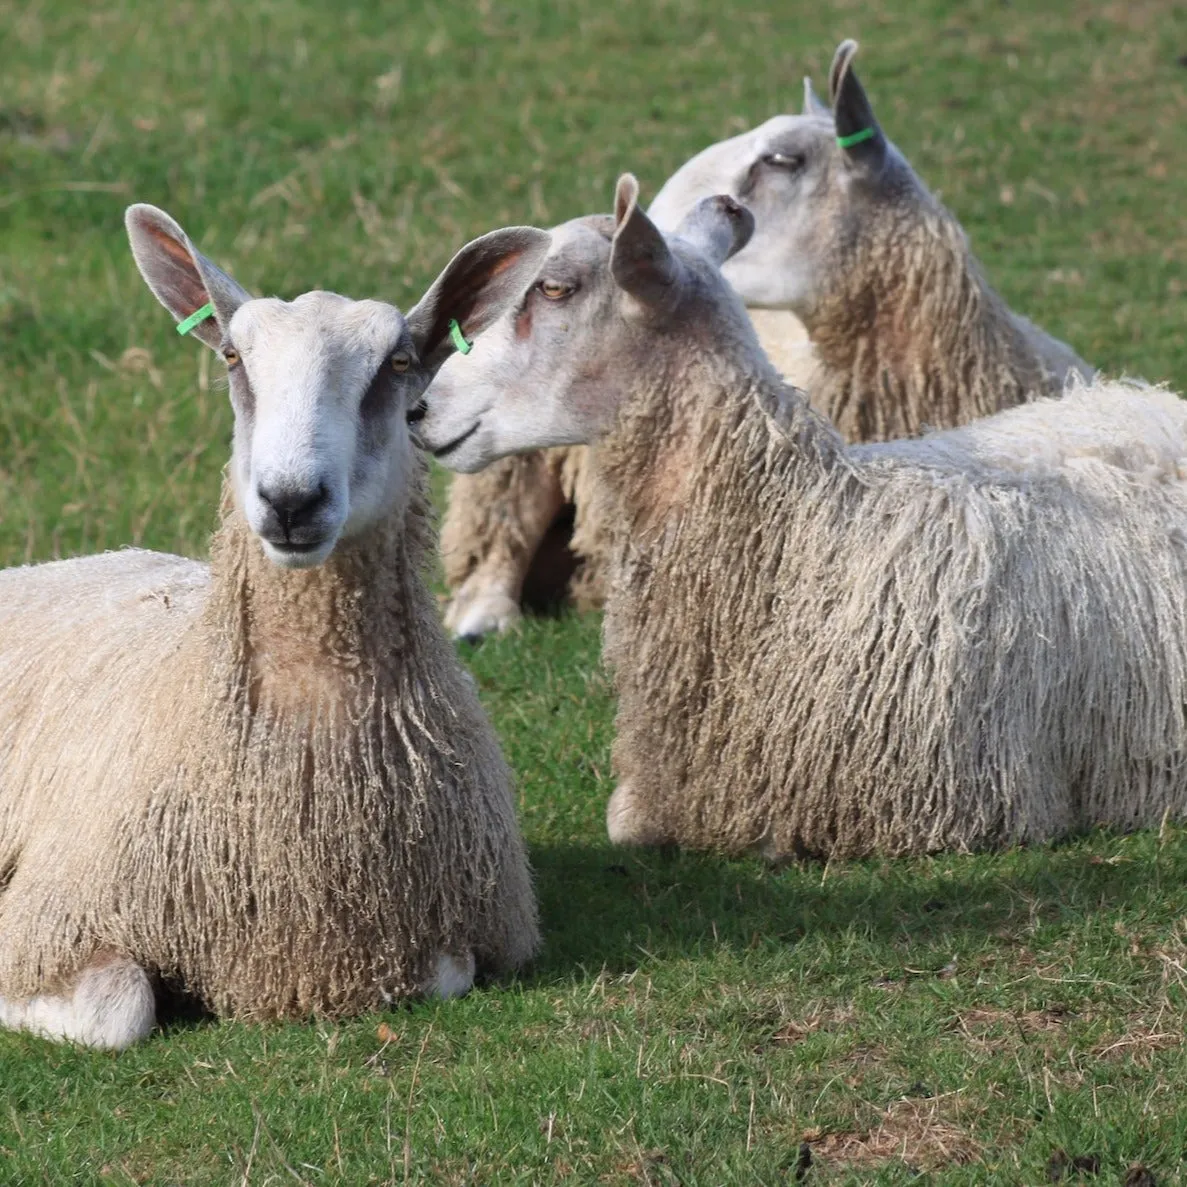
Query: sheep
(962, 641)
(498, 523)
(267, 779)
(905, 330)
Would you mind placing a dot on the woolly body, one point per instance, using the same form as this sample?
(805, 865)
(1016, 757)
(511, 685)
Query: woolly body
(970, 640)
(910, 335)
(248, 779)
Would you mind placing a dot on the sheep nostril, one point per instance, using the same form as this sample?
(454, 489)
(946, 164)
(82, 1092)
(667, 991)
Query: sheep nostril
(417, 412)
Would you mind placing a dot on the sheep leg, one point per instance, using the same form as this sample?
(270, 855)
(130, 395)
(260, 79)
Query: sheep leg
(453, 975)
(626, 821)
(592, 531)
(108, 1004)
(494, 525)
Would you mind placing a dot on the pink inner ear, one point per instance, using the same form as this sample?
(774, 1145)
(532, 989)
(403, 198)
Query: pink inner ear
(187, 283)
(470, 309)
(503, 263)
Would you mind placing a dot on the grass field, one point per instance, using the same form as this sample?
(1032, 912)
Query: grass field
(993, 1019)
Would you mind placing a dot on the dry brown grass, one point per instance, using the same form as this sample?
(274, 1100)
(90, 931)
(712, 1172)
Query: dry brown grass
(925, 1134)
(991, 1029)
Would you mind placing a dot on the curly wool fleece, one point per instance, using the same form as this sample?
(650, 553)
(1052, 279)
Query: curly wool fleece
(277, 788)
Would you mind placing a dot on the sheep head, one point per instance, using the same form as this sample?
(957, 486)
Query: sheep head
(813, 182)
(321, 386)
(613, 300)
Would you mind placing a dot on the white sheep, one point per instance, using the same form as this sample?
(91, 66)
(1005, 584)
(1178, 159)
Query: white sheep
(527, 529)
(906, 332)
(972, 639)
(267, 779)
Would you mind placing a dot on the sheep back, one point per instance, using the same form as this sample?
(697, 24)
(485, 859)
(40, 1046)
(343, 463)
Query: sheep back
(907, 647)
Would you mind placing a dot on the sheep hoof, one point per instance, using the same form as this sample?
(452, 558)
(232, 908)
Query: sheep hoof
(111, 1007)
(471, 618)
(454, 976)
(625, 824)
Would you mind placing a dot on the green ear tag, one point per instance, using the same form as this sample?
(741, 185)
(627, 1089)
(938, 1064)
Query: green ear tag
(459, 339)
(857, 137)
(199, 315)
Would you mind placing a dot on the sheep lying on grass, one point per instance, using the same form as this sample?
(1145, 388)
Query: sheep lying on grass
(967, 640)
(906, 332)
(269, 778)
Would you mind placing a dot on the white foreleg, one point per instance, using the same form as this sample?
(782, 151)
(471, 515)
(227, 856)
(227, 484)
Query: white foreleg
(453, 976)
(111, 1005)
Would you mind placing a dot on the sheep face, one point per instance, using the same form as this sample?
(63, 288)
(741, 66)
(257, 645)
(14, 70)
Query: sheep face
(590, 326)
(787, 173)
(813, 181)
(496, 399)
(322, 386)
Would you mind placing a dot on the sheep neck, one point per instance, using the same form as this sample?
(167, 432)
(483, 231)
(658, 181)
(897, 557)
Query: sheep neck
(322, 637)
(914, 336)
(707, 420)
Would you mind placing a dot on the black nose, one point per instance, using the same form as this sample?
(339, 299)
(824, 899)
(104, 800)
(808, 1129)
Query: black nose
(295, 507)
(417, 412)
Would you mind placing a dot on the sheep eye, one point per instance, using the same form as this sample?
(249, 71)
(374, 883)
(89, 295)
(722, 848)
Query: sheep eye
(554, 290)
(789, 161)
(231, 356)
(400, 362)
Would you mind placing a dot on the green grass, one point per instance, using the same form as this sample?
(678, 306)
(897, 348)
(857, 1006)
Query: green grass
(692, 1020)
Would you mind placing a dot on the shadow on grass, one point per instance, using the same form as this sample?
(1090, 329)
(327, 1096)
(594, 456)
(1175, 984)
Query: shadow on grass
(609, 908)
(178, 1010)
(612, 909)
(546, 585)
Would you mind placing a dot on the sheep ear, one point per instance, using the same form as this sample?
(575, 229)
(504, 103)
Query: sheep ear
(717, 227)
(180, 276)
(641, 262)
(813, 103)
(475, 288)
(858, 132)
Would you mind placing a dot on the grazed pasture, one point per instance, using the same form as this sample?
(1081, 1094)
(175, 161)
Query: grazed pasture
(987, 1019)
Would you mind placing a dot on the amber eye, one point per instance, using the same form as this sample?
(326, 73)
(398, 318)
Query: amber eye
(554, 290)
(231, 356)
(399, 362)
